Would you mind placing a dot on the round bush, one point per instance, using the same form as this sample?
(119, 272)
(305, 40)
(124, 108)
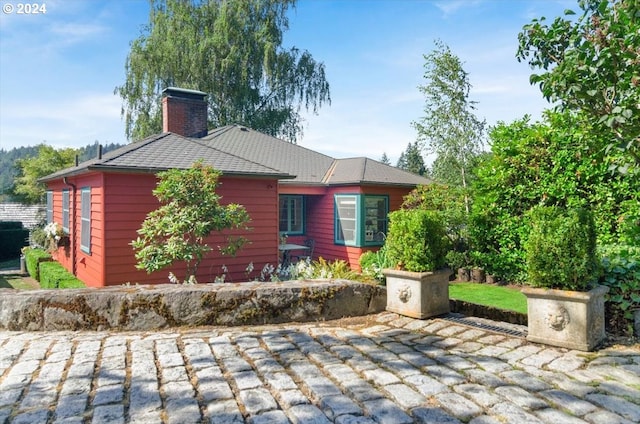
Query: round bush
(416, 240)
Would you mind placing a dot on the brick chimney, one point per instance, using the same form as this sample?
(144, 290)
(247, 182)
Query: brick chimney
(184, 112)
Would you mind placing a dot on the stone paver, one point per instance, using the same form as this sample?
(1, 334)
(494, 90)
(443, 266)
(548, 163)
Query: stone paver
(378, 369)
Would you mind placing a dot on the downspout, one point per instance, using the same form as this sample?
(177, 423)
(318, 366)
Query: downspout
(73, 231)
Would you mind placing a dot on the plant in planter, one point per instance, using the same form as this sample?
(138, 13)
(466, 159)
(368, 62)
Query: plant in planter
(565, 304)
(416, 245)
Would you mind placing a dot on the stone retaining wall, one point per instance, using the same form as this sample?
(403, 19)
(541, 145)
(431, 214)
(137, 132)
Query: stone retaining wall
(162, 306)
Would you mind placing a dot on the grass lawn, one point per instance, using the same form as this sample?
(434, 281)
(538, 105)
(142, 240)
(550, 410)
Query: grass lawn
(487, 294)
(17, 282)
(8, 281)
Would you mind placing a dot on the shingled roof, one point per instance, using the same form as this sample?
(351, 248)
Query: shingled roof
(309, 167)
(238, 150)
(169, 151)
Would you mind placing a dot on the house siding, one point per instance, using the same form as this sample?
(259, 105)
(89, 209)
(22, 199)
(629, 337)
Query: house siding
(320, 219)
(129, 199)
(128, 207)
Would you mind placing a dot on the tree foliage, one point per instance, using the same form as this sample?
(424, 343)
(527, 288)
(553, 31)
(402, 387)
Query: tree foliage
(48, 160)
(232, 50)
(22, 167)
(411, 160)
(550, 163)
(189, 213)
(385, 159)
(449, 128)
(590, 64)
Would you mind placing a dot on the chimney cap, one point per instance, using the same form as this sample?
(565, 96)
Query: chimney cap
(183, 93)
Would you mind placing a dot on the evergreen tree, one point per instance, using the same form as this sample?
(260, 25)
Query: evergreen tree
(411, 160)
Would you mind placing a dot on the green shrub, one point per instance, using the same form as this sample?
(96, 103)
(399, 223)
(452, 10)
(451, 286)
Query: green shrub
(39, 237)
(33, 258)
(372, 263)
(561, 248)
(417, 240)
(10, 225)
(12, 238)
(450, 204)
(621, 273)
(54, 276)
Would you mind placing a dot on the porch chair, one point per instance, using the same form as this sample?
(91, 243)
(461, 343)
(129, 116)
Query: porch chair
(310, 243)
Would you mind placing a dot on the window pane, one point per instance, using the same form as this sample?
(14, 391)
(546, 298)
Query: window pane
(65, 210)
(376, 211)
(346, 219)
(85, 230)
(49, 207)
(296, 215)
(291, 214)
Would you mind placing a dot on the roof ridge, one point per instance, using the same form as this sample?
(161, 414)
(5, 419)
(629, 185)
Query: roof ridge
(127, 148)
(327, 176)
(208, 146)
(216, 132)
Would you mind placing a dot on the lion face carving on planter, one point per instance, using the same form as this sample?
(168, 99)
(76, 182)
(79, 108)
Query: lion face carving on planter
(557, 318)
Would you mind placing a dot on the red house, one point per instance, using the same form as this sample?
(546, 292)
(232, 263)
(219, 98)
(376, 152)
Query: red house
(342, 204)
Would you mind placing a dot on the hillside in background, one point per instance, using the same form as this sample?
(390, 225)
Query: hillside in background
(8, 169)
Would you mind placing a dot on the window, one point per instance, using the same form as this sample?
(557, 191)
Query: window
(346, 219)
(376, 209)
(360, 220)
(49, 206)
(291, 214)
(65, 210)
(85, 227)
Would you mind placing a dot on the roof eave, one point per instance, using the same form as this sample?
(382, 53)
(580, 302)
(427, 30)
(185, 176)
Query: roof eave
(147, 170)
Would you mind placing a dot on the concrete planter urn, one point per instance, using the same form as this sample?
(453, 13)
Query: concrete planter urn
(417, 294)
(569, 319)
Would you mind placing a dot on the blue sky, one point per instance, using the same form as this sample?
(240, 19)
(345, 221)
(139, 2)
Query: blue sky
(58, 70)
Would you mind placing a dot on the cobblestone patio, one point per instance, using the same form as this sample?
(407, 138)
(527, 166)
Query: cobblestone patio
(380, 368)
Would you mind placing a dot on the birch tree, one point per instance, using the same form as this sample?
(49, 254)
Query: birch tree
(449, 127)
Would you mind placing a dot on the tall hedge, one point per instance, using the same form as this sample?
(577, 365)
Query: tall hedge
(553, 162)
(33, 257)
(13, 237)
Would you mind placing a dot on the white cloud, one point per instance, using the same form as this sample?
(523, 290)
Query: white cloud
(64, 122)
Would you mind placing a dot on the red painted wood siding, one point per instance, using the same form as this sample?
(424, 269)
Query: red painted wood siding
(320, 219)
(128, 205)
(119, 205)
(88, 267)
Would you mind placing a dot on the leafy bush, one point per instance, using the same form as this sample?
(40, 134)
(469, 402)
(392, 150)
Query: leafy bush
(561, 248)
(33, 257)
(372, 264)
(54, 276)
(553, 163)
(621, 269)
(450, 203)
(417, 240)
